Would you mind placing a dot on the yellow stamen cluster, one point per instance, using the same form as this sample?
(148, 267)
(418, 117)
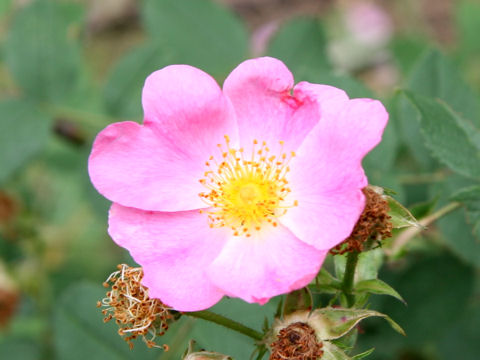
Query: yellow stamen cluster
(135, 313)
(246, 191)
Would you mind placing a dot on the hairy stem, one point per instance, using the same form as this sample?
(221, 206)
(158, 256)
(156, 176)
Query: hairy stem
(228, 323)
(348, 277)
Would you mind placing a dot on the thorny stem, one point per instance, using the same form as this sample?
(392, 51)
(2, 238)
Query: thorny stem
(411, 232)
(348, 277)
(228, 323)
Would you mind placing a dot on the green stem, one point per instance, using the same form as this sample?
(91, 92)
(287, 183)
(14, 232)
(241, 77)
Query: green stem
(348, 277)
(228, 323)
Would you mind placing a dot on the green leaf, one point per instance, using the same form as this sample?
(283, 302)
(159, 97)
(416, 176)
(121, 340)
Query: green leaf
(14, 348)
(405, 116)
(461, 340)
(458, 227)
(436, 77)
(400, 216)
(437, 290)
(301, 44)
(123, 90)
(298, 300)
(333, 352)
(24, 131)
(376, 286)
(79, 332)
(5, 7)
(468, 22)
(406, 50)
(445, 134)
(197, 32)
(333, 323)
(42, 57)
(470, 196)
(433, 76)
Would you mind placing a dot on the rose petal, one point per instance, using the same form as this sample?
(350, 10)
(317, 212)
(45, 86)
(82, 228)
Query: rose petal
(187, 108)
(326, 177)
(271, 262)
(260, 91)
(173, 249)
(157, 166)
(131, 165)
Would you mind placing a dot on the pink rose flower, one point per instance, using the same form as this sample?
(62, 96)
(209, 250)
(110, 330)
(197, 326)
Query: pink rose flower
(239, 192)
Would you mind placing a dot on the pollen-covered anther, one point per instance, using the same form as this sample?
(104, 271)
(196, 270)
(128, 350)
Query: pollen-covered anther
(134, 311)
(297, 341)
(245, 192)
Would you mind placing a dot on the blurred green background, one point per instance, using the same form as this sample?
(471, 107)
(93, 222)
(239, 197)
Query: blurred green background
(69, 68)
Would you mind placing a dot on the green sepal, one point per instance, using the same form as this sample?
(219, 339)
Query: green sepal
(333, 323)
(363, 354)
(333, 352)
(348, 341)
(378, 287)
(400, 216)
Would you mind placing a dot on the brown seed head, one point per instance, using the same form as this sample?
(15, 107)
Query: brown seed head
(133, 310)
(296, 342)
(374, 223)
(9, 300)
(8, 208)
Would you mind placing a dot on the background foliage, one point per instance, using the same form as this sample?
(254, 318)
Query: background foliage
(67, 70)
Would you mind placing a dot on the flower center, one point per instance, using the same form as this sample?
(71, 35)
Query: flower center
(246, 193)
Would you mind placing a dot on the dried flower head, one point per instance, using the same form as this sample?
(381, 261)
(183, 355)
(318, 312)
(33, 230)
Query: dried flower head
(297, 341)
(134, 311)
(374, 223)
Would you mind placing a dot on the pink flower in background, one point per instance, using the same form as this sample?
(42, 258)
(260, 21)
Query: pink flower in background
(237, 192)
(369, 23)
